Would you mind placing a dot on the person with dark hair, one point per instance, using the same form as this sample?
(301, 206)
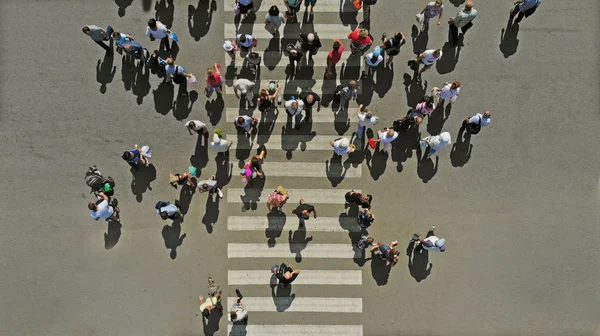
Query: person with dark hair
(98, 35)
(157, 65)
(168, 210)
(244, 6)
(206, 306)
(273, 20)
(334, 56)
(392, 46)
(310, 98)
(372, 60)
(102, 209)
(427, 58)
(134, 156)
(245, 42)
(238, 311)
(157, 30)
(247, 123)
(303, 211)
(387, 252)
(285, 274)
(210, 185)
(356, 197)
(463, 20)
(135, 50)
(310, 44)
(182, 179)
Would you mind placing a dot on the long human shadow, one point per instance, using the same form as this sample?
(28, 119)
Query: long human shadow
(172, 236)
(105, 72)
(211, 216)
(447, 63)
(418, 262)
(348, 13)
(122, 4)
(163, 97)
(377, 162)
(415, 90)
(164, 12)
(419, 40)
(185, 197)
(282, 297)
(200, 18)
(112, 235)
(461, 149)
(266, 125)
(182, 106)
(292, 139)
(385, 79)
(379, 270)
(142, 179)
(141, 84)
(336, 170)
(437, 118)
(200, 157)
(298, 242)
(508, 39)
(403, 146)
(252, 192)
(276, 222)
(214, 108)
(128, 71)
(210, 325)
(426, 168)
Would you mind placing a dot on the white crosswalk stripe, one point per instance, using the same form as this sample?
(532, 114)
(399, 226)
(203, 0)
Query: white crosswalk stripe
(315, 196)
(301, 304)
(295, 330)
(305, 169)
(323, 117)
(322, 6)
(279, 251)
(310, 84)
(320, 59)
(309, 277)
(324, 31)
(292, 142)
(320, 224)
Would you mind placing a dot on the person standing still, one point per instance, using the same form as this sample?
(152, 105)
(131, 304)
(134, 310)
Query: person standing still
(365, 119)
(98, 35)
(157, 30)
(463, 20)
(303, 211)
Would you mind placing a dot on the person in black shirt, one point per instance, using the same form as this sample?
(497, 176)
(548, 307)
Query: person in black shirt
(361, 199)
(310, 98)
(310, 43)
(285, 274)
(303, 210)
(294, 56)
(392, 45)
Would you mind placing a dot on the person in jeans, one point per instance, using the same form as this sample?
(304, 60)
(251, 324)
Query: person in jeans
(334, 56)
(294, 109)
(210, 185)
(431, 10)
(238, 312)
(430, 242)
(463, 20)
(387, 252)
(474, 124)
(524, 8)
(285, 274)
(303, 211)
(98, 35)
(102, 209)
(168, 210)
(157, 30)
(365, 119)
(211, 302)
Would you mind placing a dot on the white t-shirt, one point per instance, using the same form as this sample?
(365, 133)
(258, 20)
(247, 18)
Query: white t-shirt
(338, 150)
(385, 138)
(363, 121)
(199, 124)
(368, 60)
(484, 121)
(448, 92)
(249, 40)
(159, 33)
(429, 58)
(243, 84)
(103, 210)
(433, 240)
(239, 311)
(220, 146)
(288, 107)
(275, 20)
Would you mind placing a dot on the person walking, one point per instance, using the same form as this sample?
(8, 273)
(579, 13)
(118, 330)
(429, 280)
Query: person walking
(135, 50)
(449, 91)
(430, 242)
(463, 20)
(134, 157)
(386, 136)
(524, 8)
(98, 35)
(426, 107)
(196, 126)
(294, 56)
(245, 6)
(168, 210)
(273, 20)
(431, 10)
(435, 143)
(342, 146)
(247, 123)
(181, 180)
(392, 46)
(334, 56)
(303, 211)
(294, 108)
(310, 44)
(220, 145)
(277, 198)
(245, 87)
(474, 124)
(372, 60)
(355, 197)
(214, 80)
(245, 42)
(387, 252)
(157, 30)
(359, 40)
(365, 219)
(310, 98)
(238, 312)
(120, 39)
(427, 58)
(345, 93)
(365, 119)
(178, 75)
(285, 274)
(102, 209)
(266, 97)
(210, 185)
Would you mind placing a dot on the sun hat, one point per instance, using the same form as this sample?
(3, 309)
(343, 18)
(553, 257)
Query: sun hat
(228, 46)
(445, 137)
(343, 143)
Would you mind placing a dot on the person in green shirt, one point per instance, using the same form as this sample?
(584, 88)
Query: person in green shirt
(463, 20)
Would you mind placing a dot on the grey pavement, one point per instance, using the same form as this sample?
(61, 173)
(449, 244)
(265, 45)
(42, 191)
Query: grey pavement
(520, 214)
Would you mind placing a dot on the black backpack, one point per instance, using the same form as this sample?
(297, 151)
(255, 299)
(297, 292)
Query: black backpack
(94, 181)
(178, 78)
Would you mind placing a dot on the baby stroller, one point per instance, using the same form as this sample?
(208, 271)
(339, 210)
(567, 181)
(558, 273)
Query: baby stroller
(252, 62)
(97, 182)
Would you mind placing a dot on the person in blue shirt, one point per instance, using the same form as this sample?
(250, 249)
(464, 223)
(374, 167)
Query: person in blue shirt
(167, 210)
(133, 157)
(134, 50)
(524, 8)
(120, 38)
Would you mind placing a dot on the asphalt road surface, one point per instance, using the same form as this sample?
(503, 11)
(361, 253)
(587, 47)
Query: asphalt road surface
(519, 210)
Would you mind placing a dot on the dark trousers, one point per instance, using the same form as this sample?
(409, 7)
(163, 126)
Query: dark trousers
(103, 45)
(526, 13)
(454, 32)
(165, 41)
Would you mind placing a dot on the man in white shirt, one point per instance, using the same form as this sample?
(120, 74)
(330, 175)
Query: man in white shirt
(474, 124)
(428, 59)
(342, 146)
(157, 30)
(463, 20)
(386, 136)
(365, 119)
(294, 109)
(196, 126)
(220, 145)
(238, 311)
(210, 185)
(245, 87)
(101, 209)
(246, 122)
(448, 91)
(430, 242)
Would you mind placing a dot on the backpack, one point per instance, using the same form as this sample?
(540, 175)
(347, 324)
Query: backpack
(474, 128)
(178, 78)
(94, 181)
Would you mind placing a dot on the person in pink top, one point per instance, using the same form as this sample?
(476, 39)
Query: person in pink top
(334, 56)
(425, 108)
(214, 80)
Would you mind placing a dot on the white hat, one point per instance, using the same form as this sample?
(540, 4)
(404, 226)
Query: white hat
(228, 46)
(147, 151)
(445, 137)
(343, 143)
(310, 37)
(216, 138)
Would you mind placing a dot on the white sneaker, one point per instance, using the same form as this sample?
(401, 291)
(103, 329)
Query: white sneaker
(220, 193)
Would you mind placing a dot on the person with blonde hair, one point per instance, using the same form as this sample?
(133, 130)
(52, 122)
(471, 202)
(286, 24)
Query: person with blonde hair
(474, 124)
(448, 91)
(360, 40)
(214, 80)
(431, 10)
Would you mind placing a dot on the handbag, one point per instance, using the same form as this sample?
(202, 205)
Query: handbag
(357, 4)
(420, 18)
(255, 42)
(192, 79)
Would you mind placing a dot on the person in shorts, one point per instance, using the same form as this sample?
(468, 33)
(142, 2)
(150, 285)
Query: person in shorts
(214, 80)
(392, 46)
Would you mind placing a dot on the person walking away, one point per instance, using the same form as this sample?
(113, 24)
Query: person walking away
(355, 197)
(387, 252)
(427, 58)
(293, 7)
(206, 306)
(245, 42)
(448, 91)
(135, 50)
(220, 145)
(365, 119)
(247, 123)
(178, 75)
(359, 40)
(238, 312)
(196, 126)
(346, 93)
(98, 35)
(210, 185)
(310, 98)
(386, 136)
(334, 56)
(294, 56)
(431, 10)
(102, 209)
(277, 198)
(463, 20)
(245, 87)
(372, 60)
(426, 107)
(365, 219)
(266, 97)
(312, 4)
(168, 210)
(157, 30)
(435, 143)
(524, 8)
(430, 242)
(342, 146)
(392, 46)
(214, 80)
(310, 44)
(156, 65)
(273, 20)
(474, 124)
(181, 180)
(294, 109)
(303, 211)
(245, 6)
(134, 157)
(285, 274)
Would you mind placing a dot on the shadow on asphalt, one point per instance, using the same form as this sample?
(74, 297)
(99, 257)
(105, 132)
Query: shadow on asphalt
(112, 235)
(142, 177)
(461, 149)
(298, 241)
(200, 18)
(172, 236)
(418, 262)
(276, 222)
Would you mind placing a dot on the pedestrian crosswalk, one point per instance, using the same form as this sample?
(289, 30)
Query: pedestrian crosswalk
(249, 250)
